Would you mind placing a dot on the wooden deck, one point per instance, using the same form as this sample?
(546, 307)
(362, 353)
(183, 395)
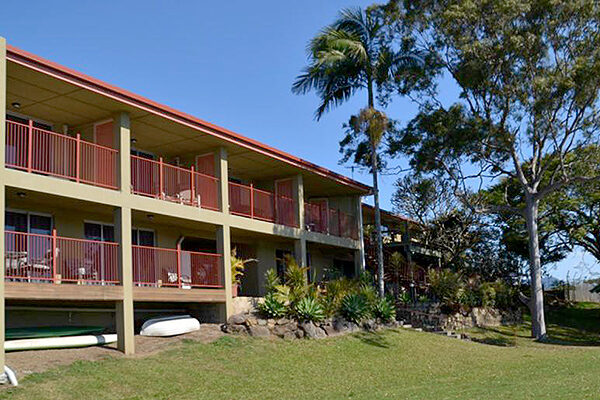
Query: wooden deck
(48, 291)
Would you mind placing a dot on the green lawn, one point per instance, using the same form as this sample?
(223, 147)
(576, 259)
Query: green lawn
(398, 364)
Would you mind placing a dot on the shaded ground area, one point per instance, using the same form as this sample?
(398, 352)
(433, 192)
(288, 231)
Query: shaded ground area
(28, 362)
(573, 325)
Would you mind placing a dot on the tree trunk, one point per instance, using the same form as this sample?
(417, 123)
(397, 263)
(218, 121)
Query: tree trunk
(378, 239)
(380, 271)
(536, 302)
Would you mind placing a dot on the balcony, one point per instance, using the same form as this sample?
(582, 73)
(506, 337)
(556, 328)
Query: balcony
(159, 267)
(168, 182)
(49, 153)
(248, 201)
(54, 259)
(330, 221)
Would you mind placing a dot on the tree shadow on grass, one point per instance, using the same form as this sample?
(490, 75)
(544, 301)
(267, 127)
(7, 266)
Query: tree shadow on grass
(376, 339)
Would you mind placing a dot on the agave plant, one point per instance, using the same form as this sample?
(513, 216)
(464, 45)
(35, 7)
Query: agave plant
(355, 308)
(272, 307)
(384, 309)
(309, 309)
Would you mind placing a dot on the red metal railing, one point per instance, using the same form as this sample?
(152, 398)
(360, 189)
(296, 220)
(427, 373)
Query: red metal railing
(251, 202)
(37, 150)
(333, 221)
(156, 267)
(51, 258)
(172, 183)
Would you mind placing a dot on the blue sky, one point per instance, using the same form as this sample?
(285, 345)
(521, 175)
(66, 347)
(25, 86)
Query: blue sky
(231, 63)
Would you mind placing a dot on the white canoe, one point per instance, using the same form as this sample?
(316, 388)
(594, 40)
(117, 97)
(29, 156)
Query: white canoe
(170, 326)
(59, 342)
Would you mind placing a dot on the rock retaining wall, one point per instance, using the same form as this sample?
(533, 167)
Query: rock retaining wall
(253, 325)
(430, 317)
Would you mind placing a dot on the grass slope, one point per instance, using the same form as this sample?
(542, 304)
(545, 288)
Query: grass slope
(397, 364)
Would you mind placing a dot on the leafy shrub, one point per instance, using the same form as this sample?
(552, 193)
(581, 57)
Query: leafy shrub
(309, 309)
(355, 308)
(333, 293)
(404, 298)
(506, 296)
(448, 287)
(487, 295)
(271, 280)
(296, 278)
(272, 307)
(384, 309)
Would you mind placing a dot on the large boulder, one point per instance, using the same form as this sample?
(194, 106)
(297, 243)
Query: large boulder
(311, 331)
(237, 319)
(259, 331)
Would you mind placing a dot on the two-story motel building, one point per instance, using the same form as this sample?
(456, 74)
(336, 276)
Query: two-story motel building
(116, 207)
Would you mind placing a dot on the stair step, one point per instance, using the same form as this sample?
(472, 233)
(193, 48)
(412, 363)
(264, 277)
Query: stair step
(407, 326)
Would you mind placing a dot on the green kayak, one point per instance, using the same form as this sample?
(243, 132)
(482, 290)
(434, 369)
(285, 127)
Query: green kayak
(51, 331)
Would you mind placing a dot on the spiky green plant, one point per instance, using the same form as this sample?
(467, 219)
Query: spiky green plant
(309, 309)
(384, 309)
(355, 308)
(272, 307)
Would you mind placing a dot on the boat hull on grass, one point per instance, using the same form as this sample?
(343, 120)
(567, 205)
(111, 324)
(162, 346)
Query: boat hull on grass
(170, 326)
(59, 342)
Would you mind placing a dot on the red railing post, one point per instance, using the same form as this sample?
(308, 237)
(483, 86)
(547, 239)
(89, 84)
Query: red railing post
(252, 200)
(179, 265)
(77, 157)
(54, 255)
(30, 146)
(161, 178)
(192, 187)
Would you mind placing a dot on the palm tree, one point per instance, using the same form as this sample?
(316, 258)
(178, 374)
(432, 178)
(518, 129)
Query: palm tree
(348, 56)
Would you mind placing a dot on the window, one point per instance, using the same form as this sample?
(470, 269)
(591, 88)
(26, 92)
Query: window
(98, 231)
(27, 222)
(142, 237)
(280, 256)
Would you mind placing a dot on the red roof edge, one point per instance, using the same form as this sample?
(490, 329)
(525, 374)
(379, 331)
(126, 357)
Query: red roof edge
(40, 64)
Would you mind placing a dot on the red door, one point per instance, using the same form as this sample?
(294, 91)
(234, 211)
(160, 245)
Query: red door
(284, 200)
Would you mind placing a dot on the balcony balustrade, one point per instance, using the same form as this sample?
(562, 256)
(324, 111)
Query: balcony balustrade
(32, 149)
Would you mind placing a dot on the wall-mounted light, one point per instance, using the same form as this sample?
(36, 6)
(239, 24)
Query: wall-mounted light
(133, 140)
(16, 105)
(150, 217)
(21, 194)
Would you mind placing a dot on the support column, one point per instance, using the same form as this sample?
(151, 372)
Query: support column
(124, 308)
(299, 198)
(300, 252)
(224, 248)
(222, 173)
(2, 192)
(359, 254)
(122, 137)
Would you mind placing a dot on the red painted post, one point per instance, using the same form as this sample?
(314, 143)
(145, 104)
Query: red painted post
(252, 200)
(161, 182)
(77, 157)
(192, 187)
(54, 255)
(30, 146)
(179, 266)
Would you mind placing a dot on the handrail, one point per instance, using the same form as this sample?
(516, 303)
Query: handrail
(42, 151)
(34, 257)
(158, 267)
(173, 183)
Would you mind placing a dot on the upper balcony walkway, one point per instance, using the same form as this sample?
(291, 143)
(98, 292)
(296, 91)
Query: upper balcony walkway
(40, 151)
